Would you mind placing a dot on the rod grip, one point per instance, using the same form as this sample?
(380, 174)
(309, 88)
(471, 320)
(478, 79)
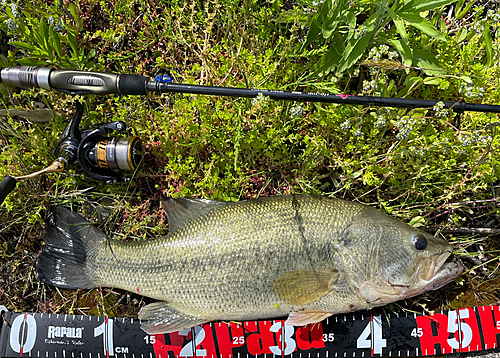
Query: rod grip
(132, 84)
(6, 186)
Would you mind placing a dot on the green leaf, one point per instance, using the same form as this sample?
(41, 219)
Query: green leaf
(404, 50)
(73, 43)
(331, 24)
(56, 41)
(50, 44)
(329, 27)
(331, 58)
(400, 25)
(461, 34)
(76, 16)
(27, 61)
(422, 24)
(427, 62)
(433, 81)
(461, 13)
(23, 45)
(426, 5)
(354, 51)
(488, 44)
(44, 32)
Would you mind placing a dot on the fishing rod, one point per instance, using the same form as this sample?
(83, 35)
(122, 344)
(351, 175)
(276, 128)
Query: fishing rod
(102, 83)
(107, 159)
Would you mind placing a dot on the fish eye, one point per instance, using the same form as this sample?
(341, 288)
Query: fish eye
(419, 241)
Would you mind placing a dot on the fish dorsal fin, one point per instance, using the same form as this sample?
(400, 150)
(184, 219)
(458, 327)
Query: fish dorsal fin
(301, 287)
(181, 210)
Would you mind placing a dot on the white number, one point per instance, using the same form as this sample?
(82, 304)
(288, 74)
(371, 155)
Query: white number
(150, 339)
(290, 344)
(464, 331)
(498, 324)
(239, 340)
(330, 337)
(199, 336)
(417, 332)
(28, 325)
(376, 336)
(106, 329)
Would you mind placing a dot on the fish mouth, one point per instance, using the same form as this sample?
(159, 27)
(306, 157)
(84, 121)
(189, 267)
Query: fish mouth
(434, 272)
(430, 273)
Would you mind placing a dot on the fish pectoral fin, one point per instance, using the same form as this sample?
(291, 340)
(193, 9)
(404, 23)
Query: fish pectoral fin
(301, 287)
(160, 317)
(304, 318)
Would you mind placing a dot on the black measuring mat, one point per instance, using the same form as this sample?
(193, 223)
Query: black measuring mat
(341, 336)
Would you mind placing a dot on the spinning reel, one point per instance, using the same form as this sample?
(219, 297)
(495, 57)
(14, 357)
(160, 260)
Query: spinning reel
(100, 155)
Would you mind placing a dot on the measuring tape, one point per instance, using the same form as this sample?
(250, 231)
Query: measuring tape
(342, 336)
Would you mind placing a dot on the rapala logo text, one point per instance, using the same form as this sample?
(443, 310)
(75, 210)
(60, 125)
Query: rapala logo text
(64, 332)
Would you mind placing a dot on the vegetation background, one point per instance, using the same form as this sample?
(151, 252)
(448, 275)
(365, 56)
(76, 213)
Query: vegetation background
(427, 167)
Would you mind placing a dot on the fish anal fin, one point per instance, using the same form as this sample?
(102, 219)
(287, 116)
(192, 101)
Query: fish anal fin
(301, 287)
(304, 318)
(160, 317)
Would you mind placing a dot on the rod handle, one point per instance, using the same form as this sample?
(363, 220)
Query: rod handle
(6, 186)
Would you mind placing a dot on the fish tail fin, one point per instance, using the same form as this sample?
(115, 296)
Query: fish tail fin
(70, 240)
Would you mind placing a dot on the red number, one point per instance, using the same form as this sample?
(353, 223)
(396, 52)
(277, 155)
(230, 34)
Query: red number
(456, 331)
(229, 335)
(429, 342)
(207, 344)
(259, 342)
(310, 336)
(490, 318)
(175, 345)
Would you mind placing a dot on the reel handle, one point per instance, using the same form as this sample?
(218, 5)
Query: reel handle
(6, 186)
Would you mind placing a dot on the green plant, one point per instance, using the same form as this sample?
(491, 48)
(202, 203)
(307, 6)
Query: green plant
(348, 29)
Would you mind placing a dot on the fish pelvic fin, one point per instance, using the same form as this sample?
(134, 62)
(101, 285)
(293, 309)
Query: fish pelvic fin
(70, 240)
(160, 317)
(304, 318)
(301, 287)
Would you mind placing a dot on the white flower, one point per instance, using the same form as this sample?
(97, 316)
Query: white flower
(11, 24)
(259, 99)
(13, 9)
(297, 111)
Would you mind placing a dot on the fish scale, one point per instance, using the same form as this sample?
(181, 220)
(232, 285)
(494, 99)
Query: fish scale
(307, 256)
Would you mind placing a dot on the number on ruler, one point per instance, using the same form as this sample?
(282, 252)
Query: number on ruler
(330, 337)
(376, 336)
(417, 332)
(150, 339)
(23, 326)
(106, 329)
(465, 331)
(239, 340)
(199, 336)
(290, 344)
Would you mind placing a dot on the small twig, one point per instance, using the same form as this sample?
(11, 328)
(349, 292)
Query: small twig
(464, 230)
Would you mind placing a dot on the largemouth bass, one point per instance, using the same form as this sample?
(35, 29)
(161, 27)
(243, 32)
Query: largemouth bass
(305, 257)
